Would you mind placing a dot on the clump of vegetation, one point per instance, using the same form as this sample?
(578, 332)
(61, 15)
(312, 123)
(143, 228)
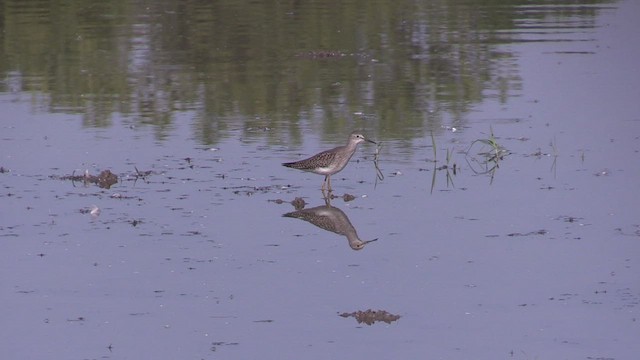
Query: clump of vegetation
(450, 169)
(484, 155)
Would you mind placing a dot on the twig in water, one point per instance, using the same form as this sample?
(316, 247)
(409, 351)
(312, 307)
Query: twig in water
(379, 174)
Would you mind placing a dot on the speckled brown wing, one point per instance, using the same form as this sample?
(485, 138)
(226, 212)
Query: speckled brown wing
(322, 159)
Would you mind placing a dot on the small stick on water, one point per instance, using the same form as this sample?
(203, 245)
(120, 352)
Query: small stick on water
(433, 143)
(379, 174)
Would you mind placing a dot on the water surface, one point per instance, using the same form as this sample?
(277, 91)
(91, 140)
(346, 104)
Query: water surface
(525, 250)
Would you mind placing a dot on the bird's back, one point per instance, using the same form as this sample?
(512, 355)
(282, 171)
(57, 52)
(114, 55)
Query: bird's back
(321, 160)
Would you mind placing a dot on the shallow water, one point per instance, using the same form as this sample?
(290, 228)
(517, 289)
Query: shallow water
(532, 253)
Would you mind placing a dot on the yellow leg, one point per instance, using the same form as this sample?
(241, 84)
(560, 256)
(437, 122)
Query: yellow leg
(327, 198)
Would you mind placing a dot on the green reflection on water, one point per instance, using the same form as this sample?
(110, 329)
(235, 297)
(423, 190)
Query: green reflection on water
(401, 66)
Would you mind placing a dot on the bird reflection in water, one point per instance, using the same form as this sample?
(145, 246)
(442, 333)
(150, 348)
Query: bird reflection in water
(332, 219)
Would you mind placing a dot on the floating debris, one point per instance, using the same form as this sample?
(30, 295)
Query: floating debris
(104, 180)
(369, 317)
(298, 203)
(141, 175)
(94, 211)
(536, 232)
(348, 197)
(569, 219)
(624, 232)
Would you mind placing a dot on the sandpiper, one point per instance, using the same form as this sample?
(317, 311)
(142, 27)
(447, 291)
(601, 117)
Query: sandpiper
(331, 161)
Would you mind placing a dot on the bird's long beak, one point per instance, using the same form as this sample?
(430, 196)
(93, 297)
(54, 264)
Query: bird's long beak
(371, 141)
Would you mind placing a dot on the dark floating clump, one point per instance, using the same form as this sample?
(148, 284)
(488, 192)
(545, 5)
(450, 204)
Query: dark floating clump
(348, 197)
(536, 232)
(298, 203)
(104, 180)
(370, 317)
